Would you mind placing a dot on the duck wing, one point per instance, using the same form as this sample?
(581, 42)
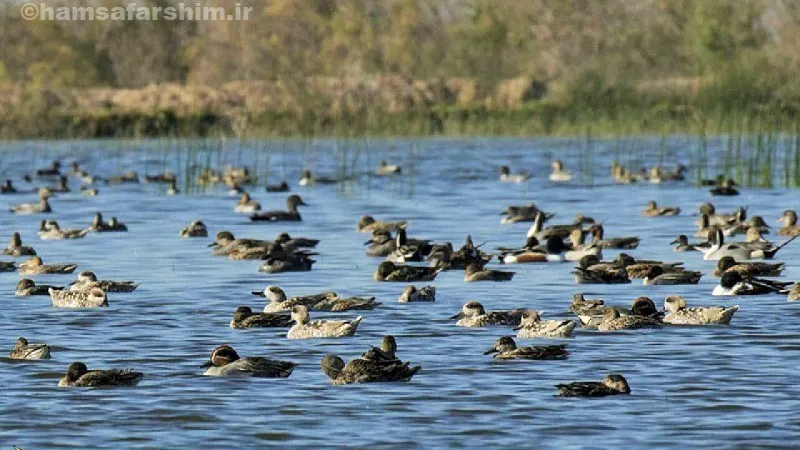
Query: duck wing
(547, 352)
(582, 389)
(113, 377)
(268, 320)
(265, 367)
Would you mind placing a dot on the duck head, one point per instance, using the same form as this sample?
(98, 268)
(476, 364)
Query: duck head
(294, 201)
(21, 342)
(300, 314)
(707, 209)
(643, 306)
(75, 371)
(223, 238)
(529, 318)
(222, 356)
(730, 279)
(674, 303)
(504, 344)
(16, 240)
(470, 309)
(389, 345)
(789, 218)
(725, 263)
(385, 269)
(98, 296)
(25, 283)
(681, 240)
(332, 366)
(617, 382)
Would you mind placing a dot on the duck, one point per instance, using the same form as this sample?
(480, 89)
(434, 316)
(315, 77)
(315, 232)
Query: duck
(125, 178)
(386, 169)
(247, 204)
(278, 302)
(473, 314)
(640, 268)
(244, 317)
(78, 375)
(525, 213)
(26, 287)
(682, 244)
(8, 188)
(653, 210)
(24, 350)
(469, 253)
(387, 352)
(366, 371)
(89, 191)
(49, 230)
(474, 273)
(290, 243)
(290, 263)
(591, 312)
(404, 252)
(283, 186)
(225, 362)
(531, 252)
(794, 293)
(165, 177)
(87, 280)
(559, 175)
(53, 171)
(32, 208)
(368, 224)
(621, 175)
(612, 384)
(225, 243)
(305, 328)
(732, 283)
(538, 231)
(659, 175)
(506, 348)
(62, 185)
(92, 298)
(381, 244)
(195, 229)
(614, 321)
(704, 228)
(616, 243)
(725, 189)
(35, 266)
(656, 275)
(115, 225)
(738, 251)
(100, 226)
(389, 271)
(755, 222)
(532, 326)
(790, 225)
(591, 271)
(412, 295)
(748, 269)
(679, 314)
(7, 266)
(290, 215)
(307, 179)
(507, 177)
(579, 249)
(722, 220)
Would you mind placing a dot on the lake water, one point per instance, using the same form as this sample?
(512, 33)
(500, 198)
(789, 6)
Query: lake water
(720, 387)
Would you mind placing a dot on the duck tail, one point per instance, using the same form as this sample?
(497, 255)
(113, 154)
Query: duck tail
(356, 321)
(772, 252)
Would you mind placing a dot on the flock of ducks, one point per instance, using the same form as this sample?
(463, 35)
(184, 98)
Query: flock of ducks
(409, 260)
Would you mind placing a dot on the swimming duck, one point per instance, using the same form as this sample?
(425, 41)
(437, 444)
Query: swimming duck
(49, 230)
(225, 362)
(89, 191)
(652, 210)
(101, 226)
(538, 231)
(476, 273)
(732, 283)
(387, 352)
(7, 266)
(368, 224)
(225, 243)
(506, 348)
(704, 228)
(591, 271)
(748, 269)
(291, 263)
(531, 252)
(725, 189)
(53, 171)
(307, 179)
(290, 243)
(616, 243)
(424, 294)
(722, 220)
(621, 175)
(32, 208)
(526, 213)
(559, 174)
(579, 248)
(24, 350)
(682, 244)
(755, 222)
(290, 215)
(612, 384)
(8, 188)
(27, 287)
(656, 275)
(468, 254)
(305, 328)
(532, 326)
(587, 309)
(614, 321)
(789, 221)
(404, 252)
(385, 169)
(794, 293)
(91, 298)
(35, 266)
(127, 177)
(738, 251)
(389, 271)
(62, 185)
(283, 186)
(195, 229)
(79, 376)
(473, 314)
(591, 312)
(366, 371)
(507, 177)
(278, 302)
(172, 189)
(244, 317)
(381, 244)
(165, 177)
(659, 175)
(680, 314)
(87, 280)
(247, 204)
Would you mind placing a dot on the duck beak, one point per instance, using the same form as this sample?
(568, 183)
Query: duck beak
(258, 293)
(367, 243)
(457, 316)
(517, 328)
(213, 244)
(490, 351)
(207, 364)
(72, 283)
(674, 242)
